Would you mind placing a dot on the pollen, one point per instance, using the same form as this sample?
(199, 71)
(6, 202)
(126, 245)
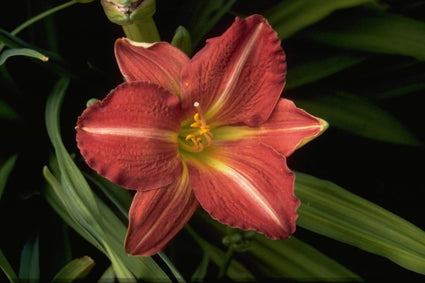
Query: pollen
(201, 137)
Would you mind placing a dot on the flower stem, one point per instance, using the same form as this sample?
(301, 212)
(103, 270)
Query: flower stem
(142, 30)
(38, 17)
(42, 16)
(226, 263)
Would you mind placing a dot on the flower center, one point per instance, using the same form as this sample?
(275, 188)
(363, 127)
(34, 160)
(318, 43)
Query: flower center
(201, 137)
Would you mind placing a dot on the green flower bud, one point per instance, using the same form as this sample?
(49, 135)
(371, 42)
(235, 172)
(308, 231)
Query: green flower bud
(182, 40)
(238, 240)
(125, 12)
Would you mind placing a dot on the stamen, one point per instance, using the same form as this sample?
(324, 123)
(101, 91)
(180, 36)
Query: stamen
(201, 115)
(195, 125)
(208, 137)
(189, 137)
(203, 132)
(196, 117)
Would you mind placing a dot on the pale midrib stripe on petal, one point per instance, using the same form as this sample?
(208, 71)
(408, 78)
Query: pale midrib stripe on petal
(249, 188)
(292, 129)
(133, 132)
(241, 132)
(184, 183)
(231, 83)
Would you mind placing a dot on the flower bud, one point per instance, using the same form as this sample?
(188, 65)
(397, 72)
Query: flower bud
(182, 40)
(125, 12)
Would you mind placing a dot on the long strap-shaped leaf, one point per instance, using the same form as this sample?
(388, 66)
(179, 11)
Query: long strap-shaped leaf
(76, 269)
(290, 16)
(289, 259)
(358, 115)
(7, 268)
(330, 210)
(5, 169)
(373, 31)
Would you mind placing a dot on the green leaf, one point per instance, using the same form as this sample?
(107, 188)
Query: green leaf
(290, 16)
(12, 41)
(114, 230)
(330, 210)
(6, 112)
(7, 268)
(76, 269)
(108, 275)
(56, 63)
(205, 15)
(118, 195)
(373, 31)
(172, 268)
(296, 260)
(5, 170)
(55, 194)
(81, 200)
(78, 198)
(359, 116)
(21, 52)
(201, 270)
(290, 259)
(403, 90)
(321, 67)
(29, 269)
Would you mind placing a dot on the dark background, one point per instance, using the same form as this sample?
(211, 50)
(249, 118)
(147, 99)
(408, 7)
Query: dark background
(390, 175)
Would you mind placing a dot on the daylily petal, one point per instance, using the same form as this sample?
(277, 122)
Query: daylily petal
(159, 62)
(237, 77)
(156, 216)
(287, 129)
(246, 184)
(131, 136)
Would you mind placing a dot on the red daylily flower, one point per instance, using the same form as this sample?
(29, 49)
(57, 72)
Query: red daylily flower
(211, 130)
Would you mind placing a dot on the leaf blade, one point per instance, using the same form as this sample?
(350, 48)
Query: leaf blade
(22, 52)
(359, 116)
(7, 268)
(5, 170)
(368, 30)
(76, 269)
(330, 210)
(288, 17)
(294, 259)
(29, 269)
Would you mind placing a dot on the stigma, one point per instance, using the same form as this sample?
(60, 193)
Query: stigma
(201, 137)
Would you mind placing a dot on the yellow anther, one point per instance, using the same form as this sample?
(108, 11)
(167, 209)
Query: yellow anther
(196, 117)
(195, 125)
(204, 131)
(189, 137)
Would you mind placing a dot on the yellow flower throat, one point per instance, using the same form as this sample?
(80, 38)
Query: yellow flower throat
(202, 137)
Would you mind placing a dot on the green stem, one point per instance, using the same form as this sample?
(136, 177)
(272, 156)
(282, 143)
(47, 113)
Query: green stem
(226, 263)
(38, 17)
(42, 16)
(142, 30)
